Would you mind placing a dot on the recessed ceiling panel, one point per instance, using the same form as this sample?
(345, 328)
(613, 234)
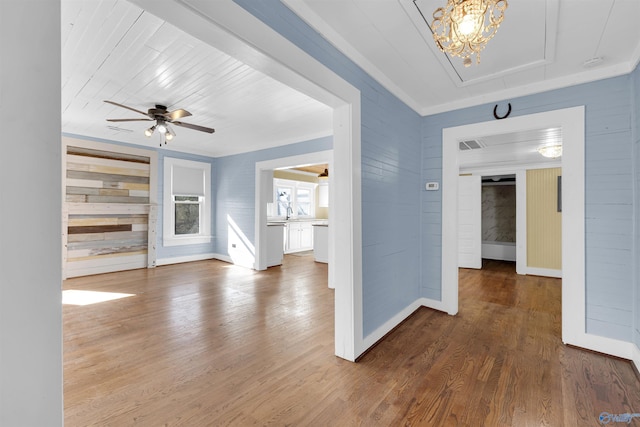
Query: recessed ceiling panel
(533, 20)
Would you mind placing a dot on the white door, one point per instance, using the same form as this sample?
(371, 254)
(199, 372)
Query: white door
(470, 221)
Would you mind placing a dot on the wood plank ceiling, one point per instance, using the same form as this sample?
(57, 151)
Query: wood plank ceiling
(113, 50)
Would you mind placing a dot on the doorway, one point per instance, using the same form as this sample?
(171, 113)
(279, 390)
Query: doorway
(571, 120)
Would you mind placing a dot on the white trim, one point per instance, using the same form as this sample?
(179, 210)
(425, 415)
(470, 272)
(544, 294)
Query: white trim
(189, 258)
(635, 356)
(585, 76)
(168, 211)
(307, 14)
(105, 265)
(546, 272)
(488, 169)
(573, 219)
(521, 221)
(390, 324)
(263, 194)
(609, 346)
(233, 30)
(433, 304)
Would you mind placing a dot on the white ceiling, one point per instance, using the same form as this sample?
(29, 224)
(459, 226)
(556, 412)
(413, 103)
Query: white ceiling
(510, 150)
(113, 50)
(541, 45)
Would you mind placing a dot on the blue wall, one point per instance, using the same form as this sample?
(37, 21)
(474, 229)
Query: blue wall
(391, 168)
(235, 186)
(609, 195)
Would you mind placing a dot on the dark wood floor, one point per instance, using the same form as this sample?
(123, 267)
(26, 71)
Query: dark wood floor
(208, 343)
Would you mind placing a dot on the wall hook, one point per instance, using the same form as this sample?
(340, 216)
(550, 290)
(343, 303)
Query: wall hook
(495, 112)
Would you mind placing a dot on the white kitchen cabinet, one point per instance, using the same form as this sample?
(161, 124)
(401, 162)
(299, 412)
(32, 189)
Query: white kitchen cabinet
(321, 243)
(299, 237)
(275, 235)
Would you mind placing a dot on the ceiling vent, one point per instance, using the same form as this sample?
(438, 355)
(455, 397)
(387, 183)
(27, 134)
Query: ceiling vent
(472, 144)
(118, 129)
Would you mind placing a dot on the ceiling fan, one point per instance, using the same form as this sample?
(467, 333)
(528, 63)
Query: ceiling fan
(162, 117)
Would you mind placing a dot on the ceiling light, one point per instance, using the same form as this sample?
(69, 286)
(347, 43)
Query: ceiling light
(551, 151)
(463, 27)
(169, 134)
(162, 128)
(324, 175)
(149, 131)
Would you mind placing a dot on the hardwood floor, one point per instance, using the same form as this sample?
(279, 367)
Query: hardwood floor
(207, 343)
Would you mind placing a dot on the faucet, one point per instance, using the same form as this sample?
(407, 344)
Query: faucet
(289, 212)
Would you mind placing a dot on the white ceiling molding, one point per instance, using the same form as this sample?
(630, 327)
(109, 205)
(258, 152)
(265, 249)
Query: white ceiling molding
(314, 21)
(541, 39)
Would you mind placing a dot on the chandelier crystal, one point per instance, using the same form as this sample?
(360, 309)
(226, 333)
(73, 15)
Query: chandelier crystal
(463, 27)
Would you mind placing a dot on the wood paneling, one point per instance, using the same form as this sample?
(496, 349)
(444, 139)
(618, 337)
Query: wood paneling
(106, 178)
(209, 343)
(544, 222)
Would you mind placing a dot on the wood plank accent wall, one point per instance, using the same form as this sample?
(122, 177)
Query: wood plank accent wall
(544, 222)
(107, 213)
(97, 176)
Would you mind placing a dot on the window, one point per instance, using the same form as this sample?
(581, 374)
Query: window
(187, 202)
(293, 199)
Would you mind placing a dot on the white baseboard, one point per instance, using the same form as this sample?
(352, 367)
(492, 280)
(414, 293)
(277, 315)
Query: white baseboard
(431, 303)
(189, 258)
(546, 272)
(635, 357)
(610, 346)
(388, 326)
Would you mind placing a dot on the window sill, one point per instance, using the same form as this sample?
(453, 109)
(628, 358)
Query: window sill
(187, 240)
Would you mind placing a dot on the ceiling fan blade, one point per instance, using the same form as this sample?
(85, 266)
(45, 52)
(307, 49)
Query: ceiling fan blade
(194, 127)
(177, 114)
(129, 120)
(128, 108)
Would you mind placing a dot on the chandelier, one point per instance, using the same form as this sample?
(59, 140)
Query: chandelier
(463, 27)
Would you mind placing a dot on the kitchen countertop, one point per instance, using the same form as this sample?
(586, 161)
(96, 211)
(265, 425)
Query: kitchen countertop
(314, 221)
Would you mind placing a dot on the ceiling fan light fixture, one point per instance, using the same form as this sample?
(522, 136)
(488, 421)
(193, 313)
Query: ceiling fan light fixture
(169, 134)
(161, 126)
(463, 27)
(149, 132)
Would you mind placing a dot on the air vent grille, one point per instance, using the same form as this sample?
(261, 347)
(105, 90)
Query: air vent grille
(471, 144)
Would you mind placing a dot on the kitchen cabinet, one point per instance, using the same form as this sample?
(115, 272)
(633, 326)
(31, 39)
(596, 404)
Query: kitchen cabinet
(275, 236)
(321, 243)
(299, 237)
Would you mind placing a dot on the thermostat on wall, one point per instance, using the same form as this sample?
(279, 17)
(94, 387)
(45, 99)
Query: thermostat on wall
(432, 186)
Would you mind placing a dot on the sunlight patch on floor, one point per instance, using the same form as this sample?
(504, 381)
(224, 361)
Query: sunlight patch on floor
(76, 297)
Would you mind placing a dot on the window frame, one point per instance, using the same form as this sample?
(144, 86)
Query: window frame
(294, 186)
(169, 237)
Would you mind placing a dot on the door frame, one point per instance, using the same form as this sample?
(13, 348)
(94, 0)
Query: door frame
(572, 122)
(233, 30)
